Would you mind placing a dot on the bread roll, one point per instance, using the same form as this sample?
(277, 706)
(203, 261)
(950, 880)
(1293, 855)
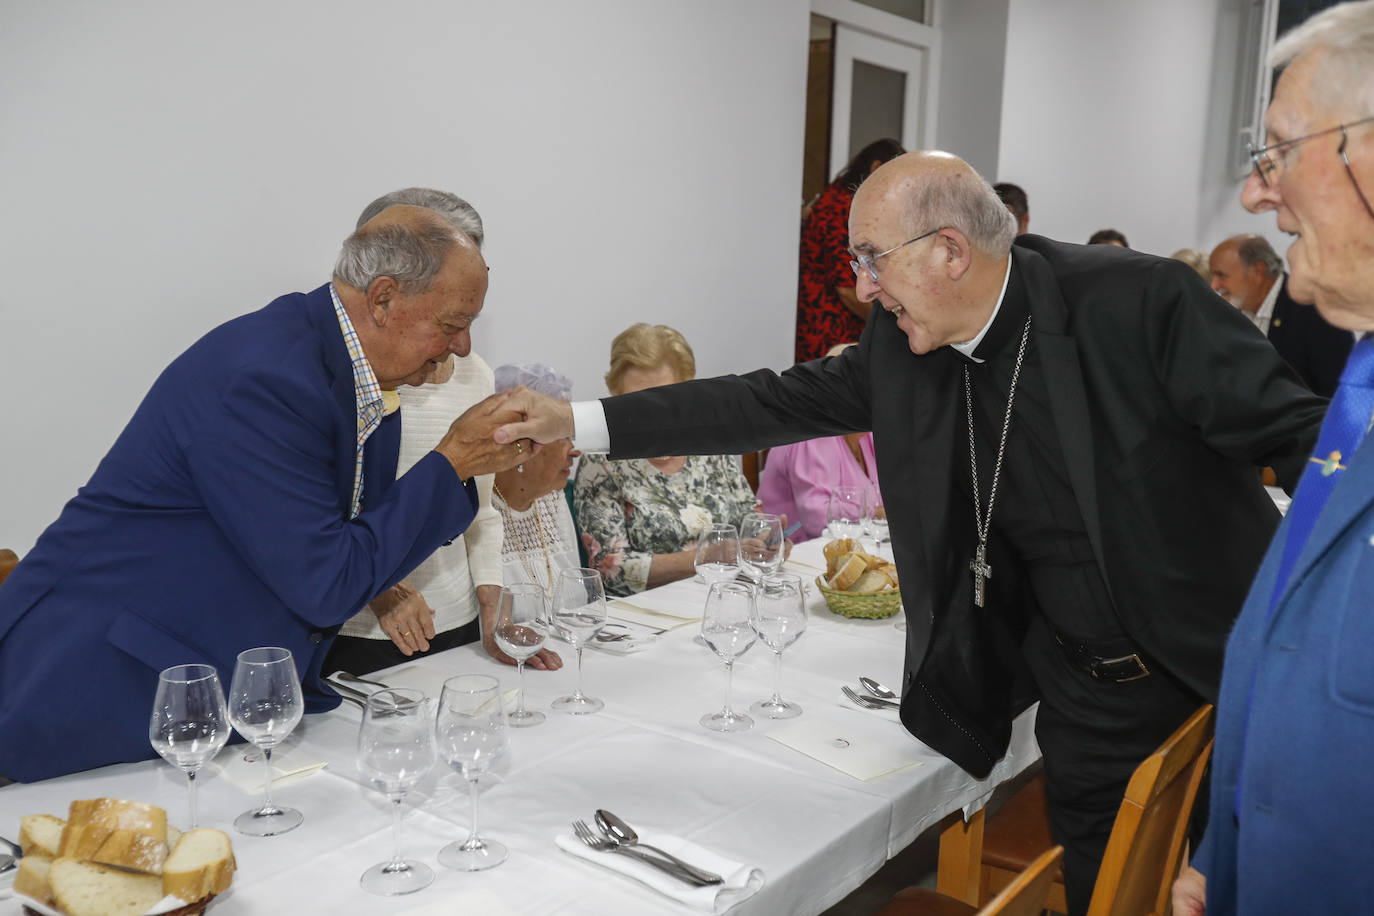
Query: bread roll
(31, 879)
(90, 889)
(201, 864)
(870, 582)
(41, 835)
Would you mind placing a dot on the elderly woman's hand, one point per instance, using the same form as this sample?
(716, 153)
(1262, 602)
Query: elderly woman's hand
(405, 616)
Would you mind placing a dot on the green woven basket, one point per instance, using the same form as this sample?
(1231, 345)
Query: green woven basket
(869, 607)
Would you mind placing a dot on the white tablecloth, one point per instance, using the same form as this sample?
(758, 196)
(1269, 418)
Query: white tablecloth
(816, 832)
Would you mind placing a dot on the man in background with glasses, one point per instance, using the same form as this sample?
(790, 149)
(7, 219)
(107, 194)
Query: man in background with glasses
(1068, 440)
(1292, 799)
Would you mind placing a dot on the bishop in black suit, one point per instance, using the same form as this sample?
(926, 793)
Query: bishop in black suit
(1128, 518)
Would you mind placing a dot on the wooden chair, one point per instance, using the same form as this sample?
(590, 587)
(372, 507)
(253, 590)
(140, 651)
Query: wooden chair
(1143, 852)
(1024, 895)
(751, 463)
(8, 560)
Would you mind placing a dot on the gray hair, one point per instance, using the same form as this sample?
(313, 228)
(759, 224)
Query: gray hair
(1346, 34)
(450, 206)
(536, 377)
(963, 200)
(410, 255)
(1255, 249)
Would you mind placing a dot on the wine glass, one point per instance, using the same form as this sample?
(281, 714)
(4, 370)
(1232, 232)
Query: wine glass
(265, 706)
(395, 751)
(847, 511)
(189, 724)
(579, 613)
(522, 626)
(877, 517)
(780, 621)
(717, 554)
(727, 627)
(760, 545)
(471, 734)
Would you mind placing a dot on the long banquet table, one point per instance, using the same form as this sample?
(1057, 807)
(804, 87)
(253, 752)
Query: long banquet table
(815, 832)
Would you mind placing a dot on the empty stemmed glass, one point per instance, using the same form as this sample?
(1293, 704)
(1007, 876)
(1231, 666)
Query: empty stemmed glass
(877, 518)
(471, 736)
(847, 511)
(780, 619)
(189, 724)
(395, 751)
(760, 545)
(717, 558)
(727, 626)
(579, 613)
(522, 626)
(265, 706)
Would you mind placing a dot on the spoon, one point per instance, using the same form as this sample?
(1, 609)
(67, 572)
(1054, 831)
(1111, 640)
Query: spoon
(878, 690)
(6, 862)
(623, 834)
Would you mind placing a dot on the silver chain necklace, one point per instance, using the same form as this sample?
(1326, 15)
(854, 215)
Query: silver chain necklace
(979, 564)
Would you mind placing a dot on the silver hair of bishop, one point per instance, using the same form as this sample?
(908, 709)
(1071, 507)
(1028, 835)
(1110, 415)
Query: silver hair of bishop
(1345, 35)
(536, 377)
(450, 206)
(973, 209)
(412, 256)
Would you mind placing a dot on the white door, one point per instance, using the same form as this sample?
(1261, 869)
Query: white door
(882, 88)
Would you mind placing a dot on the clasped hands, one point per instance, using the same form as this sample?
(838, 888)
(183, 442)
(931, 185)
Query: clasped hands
(503, 431)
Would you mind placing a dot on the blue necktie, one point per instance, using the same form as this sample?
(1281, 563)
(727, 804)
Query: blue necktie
(1347, 420)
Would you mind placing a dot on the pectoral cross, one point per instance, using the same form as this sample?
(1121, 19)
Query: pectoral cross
(981, 572)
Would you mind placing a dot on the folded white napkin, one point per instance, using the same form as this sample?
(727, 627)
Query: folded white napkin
(662, 616)
(241, 764)
(864, 747)
(741, 881)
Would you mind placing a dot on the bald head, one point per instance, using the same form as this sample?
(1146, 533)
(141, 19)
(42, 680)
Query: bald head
(928, 189)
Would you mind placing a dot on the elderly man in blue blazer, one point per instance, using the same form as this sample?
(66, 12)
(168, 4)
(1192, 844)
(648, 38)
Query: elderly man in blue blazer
(250, 501)
(1292, 796)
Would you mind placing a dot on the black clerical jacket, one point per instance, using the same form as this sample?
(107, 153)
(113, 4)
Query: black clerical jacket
(1166, 401)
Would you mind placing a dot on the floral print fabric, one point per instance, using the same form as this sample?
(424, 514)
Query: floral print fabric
(629, 510)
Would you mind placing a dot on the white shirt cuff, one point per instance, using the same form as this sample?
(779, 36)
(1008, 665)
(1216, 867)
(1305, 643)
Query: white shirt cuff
(589, 427)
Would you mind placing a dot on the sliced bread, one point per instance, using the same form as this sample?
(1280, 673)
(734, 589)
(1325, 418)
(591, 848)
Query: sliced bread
(41, 835)
(31, 879)
(201, 864)
(113, 831)
(850, 568)
(82, 888)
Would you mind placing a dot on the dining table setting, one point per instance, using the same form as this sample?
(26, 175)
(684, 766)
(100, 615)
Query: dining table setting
(712, 745)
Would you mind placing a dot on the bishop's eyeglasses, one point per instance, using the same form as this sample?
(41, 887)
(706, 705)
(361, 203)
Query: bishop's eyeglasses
(864, 262)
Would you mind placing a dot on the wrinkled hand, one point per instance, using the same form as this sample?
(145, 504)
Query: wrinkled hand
(469, 444)
(543, 660)
(1190, 893)
(405, 616)
(542, 419)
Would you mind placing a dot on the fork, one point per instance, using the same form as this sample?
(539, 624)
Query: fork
(868, 702)
(601, 844)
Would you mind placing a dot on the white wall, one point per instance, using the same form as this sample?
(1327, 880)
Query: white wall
(168, 164)
(973, 45)
(1115, 113)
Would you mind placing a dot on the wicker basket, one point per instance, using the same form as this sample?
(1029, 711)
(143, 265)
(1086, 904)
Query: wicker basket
(873, 606)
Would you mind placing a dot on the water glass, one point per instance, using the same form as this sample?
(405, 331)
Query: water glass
(579, 613)
(265, 706)
(760, 545)
(727, 627)
(189, 724)
(780, 620)
(877, 517)
(470, 732)
(717, 558)
(395, 751)
(522, 626)
(847, 512)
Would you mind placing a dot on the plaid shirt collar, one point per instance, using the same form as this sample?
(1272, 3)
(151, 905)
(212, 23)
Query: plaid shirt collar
(367, 394)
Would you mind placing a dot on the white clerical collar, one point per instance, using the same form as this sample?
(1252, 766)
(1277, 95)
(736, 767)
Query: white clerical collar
(968, 346)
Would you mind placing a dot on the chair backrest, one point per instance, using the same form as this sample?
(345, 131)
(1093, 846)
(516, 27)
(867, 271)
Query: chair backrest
(1025, 895)
(8, 560)
(1146, 844)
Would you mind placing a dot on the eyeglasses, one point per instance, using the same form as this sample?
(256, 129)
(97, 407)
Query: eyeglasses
(1269, 160)
(865, 261)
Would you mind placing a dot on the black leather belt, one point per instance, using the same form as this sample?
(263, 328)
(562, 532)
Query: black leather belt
(1120, 669)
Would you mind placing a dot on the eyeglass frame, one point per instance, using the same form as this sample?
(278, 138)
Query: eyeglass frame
(867, 261)
(1260, 156)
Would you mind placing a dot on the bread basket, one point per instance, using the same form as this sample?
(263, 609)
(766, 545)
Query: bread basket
(195, 908)
(871, 606)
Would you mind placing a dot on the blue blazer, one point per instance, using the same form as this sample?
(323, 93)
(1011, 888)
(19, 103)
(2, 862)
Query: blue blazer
(1301, 746)
(217, 522)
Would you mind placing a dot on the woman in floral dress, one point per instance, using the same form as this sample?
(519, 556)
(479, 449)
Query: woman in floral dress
(640, 519)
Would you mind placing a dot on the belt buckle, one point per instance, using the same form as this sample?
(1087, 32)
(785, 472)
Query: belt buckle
(1102, 663)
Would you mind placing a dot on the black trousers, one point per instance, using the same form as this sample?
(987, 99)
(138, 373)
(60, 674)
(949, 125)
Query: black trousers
(358, 655)
(1093, 734)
